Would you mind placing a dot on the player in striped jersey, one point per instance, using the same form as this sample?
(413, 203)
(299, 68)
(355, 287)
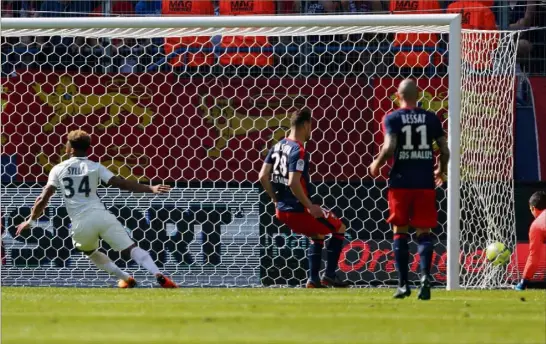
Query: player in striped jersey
(409, 134)
(285, 177)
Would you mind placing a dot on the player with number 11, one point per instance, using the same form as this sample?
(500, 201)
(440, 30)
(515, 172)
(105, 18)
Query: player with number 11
(409, 134)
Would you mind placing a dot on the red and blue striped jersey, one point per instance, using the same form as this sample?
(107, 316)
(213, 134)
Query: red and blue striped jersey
(288, 156)
(413, 165)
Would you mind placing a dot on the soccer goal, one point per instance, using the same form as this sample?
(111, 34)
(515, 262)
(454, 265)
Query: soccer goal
(196, 101)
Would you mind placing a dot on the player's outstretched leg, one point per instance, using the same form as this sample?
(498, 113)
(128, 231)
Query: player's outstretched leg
(401, 256)
(335, 244)
(426, 250)
(104, 263)
(143, 259)
(314, 256)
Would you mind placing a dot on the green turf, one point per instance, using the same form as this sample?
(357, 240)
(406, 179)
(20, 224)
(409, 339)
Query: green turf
(55, 315)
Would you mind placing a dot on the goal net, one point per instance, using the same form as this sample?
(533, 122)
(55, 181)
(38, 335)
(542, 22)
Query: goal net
(196, 102)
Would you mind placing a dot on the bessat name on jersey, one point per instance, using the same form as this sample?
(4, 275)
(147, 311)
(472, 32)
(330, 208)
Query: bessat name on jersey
(413, 118)
(416, 155)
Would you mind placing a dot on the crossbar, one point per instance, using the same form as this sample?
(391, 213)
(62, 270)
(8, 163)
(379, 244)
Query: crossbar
(226, 21)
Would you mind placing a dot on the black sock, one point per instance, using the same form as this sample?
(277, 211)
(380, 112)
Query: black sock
(401, 256)
(335, 244)
(314, 255)
(425, 250)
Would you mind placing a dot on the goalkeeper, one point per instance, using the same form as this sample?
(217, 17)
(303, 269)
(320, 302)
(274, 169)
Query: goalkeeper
(537, 236)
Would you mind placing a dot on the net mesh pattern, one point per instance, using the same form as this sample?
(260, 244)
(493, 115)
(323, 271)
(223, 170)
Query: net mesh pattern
(199, 111)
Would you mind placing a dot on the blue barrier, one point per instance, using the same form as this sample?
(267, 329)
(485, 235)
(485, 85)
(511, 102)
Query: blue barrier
(282, 49)
(279, 50)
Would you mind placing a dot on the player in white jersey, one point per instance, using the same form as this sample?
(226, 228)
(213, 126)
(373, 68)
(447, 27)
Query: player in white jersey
(78, 178)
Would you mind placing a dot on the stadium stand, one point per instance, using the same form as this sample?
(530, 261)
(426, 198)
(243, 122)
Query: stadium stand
(77, 53)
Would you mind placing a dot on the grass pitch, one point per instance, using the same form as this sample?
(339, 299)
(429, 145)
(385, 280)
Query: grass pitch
(57, 315)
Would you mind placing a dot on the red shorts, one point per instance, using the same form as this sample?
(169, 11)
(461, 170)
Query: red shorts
(413, 207)
(304, 223)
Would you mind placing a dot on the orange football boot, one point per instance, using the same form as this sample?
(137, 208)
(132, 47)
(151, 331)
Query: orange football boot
(130, 283)
(313, 285)
(165, 282)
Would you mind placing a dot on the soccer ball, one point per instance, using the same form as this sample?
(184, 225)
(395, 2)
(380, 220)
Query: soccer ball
(497, 254)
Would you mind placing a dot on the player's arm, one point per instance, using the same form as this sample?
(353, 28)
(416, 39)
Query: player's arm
(294, 182)
(390, 126)
(440, 137)
(109, 178)
(441, 171)
(133, 186)
(265, 176)
(265, 180)
(37, 210)
(386, 152)
(533, 260)
(388, 148)
(42, 201)
(296, 166)
(297, 190)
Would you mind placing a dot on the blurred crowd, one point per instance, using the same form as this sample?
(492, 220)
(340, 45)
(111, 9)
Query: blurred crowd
(394, 52)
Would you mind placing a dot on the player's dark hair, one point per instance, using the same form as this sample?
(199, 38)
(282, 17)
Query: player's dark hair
(79, 140)
(538, 200)
(300, 117)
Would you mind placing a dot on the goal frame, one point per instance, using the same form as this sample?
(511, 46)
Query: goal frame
(453, 21)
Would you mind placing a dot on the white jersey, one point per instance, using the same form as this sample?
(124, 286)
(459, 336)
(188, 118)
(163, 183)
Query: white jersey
(77, 179)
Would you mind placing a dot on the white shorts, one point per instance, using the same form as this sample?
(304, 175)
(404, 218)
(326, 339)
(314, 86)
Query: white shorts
(87, 229)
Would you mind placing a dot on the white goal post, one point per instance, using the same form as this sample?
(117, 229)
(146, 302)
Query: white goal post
(448, 25)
